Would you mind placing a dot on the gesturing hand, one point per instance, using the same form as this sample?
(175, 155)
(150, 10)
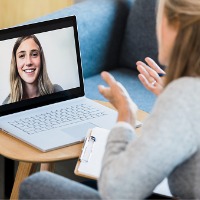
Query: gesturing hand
(119, 98)
(149, 75)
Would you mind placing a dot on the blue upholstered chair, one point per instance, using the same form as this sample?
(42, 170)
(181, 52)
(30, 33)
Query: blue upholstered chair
(113, 35)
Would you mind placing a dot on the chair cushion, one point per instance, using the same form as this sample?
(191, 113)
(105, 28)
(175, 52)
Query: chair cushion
(128, 77)
(140, 35)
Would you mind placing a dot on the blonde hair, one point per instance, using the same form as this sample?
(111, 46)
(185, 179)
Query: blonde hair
(185, 56)
(44, 84)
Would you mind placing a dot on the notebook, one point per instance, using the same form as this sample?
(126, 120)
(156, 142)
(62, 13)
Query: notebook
(90, 161)
(89, 164)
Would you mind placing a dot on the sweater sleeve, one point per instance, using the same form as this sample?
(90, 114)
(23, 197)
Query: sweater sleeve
(133, 166)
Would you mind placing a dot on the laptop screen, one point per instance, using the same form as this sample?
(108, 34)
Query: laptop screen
(40, 64)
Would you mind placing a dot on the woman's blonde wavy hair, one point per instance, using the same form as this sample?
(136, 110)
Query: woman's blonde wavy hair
(16, 83)
(185, 56)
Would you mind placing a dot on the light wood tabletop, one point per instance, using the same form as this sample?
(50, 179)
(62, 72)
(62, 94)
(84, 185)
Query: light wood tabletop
(29, 157)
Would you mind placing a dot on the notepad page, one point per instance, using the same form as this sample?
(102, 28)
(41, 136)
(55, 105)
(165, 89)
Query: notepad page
(93, 166)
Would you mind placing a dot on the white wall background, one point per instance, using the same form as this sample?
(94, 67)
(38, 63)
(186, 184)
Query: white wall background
(60, 55)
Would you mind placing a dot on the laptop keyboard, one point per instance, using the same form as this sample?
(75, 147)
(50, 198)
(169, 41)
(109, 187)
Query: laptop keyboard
(57, 118)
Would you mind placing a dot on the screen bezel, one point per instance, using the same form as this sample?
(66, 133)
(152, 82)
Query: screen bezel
(35, 28)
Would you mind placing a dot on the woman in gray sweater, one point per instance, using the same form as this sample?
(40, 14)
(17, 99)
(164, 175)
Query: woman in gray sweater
(169, 144)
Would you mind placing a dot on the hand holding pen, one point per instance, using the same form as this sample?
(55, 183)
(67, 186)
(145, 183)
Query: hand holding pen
(150, 75)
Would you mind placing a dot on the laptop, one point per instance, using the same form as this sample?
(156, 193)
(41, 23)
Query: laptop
(42, 99)
(46, 63)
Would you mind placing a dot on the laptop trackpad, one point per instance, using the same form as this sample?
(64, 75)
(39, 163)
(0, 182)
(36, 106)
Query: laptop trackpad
(79, 131)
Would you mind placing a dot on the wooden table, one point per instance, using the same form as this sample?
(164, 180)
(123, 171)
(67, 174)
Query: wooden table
(30, 157)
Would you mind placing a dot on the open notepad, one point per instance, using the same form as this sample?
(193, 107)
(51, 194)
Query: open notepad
(90, 161)
(89, 164)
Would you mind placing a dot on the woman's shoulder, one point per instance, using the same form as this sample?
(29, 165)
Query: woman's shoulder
(57, 88)
(183, 92)
(183, 86)
(6, 101)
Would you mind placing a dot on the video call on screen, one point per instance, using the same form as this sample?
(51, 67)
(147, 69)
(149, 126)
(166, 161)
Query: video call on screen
(48, 66)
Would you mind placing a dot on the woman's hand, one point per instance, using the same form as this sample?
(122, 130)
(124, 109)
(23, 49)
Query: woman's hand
(149, 75)
(119, 98)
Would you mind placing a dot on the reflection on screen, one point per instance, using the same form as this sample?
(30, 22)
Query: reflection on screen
(38, 65)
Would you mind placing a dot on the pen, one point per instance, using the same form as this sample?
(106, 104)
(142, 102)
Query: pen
(161, 74)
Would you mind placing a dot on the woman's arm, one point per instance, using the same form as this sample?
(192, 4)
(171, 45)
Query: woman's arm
(134, 166)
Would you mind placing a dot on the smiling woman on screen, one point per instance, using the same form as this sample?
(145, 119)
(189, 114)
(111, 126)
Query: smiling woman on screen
(28, 72)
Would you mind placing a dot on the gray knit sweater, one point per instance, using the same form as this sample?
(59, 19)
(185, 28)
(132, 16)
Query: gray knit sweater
(169, 146)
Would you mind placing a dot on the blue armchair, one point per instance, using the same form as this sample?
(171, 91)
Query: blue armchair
(113, 35)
